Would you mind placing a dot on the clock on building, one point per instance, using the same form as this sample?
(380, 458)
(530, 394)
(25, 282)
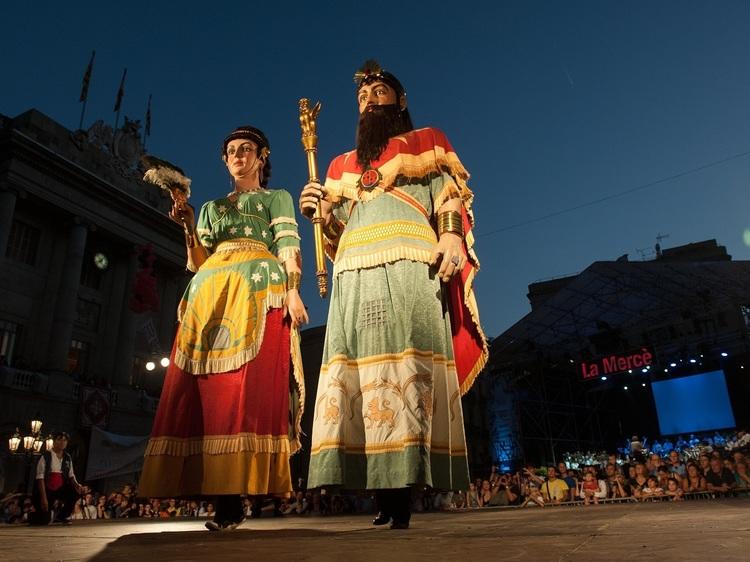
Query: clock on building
(101, 261)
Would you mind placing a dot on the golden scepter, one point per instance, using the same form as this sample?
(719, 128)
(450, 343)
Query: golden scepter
(307, 117)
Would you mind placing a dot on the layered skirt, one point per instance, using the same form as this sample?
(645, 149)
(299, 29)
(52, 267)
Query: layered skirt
(388, 408)
(231, 431)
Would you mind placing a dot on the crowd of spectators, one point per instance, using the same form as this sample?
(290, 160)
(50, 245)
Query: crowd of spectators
(712, 469)
(641, 475)
(125, 504)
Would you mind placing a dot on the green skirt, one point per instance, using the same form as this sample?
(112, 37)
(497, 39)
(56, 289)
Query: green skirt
(388, 408)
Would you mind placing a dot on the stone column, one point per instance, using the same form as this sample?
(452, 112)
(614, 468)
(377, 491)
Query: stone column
(7, 208)
(123, 367)
(118, 294)
(67, 298)
(168, 314)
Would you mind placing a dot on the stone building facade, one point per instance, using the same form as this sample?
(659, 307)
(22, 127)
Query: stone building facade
(81, 237)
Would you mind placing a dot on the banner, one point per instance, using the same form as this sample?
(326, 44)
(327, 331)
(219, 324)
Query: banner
(111, 454)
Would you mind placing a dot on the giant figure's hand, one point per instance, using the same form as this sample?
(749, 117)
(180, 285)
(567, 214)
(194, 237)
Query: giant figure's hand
(295, 308)
(449, 256)
(308, 200)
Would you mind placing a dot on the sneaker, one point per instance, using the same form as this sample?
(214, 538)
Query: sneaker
(213, 526)
(381, 519)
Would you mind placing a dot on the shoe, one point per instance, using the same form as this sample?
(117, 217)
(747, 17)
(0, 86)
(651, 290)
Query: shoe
(213, 526)
(400, 525)
(230, 526)
(381, 519)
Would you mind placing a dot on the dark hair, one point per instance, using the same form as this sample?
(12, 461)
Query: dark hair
(59, 434)
(254, 134)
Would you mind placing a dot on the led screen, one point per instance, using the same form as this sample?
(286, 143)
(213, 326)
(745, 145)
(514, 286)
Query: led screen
(692, 404)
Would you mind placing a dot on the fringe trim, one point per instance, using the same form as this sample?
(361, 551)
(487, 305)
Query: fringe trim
(285, 234)
(217, 445)
(299, 380)
(284, 220)
(413, 253)
(471, 304)
(210, 365)
(288, 253)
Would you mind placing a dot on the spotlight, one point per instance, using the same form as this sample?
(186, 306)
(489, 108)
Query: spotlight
(624, 387)
(666, 370)
(630, 371)
(673, 364)
(150, 366)
(724, 354)
(164, 362)
(644, 370)
(693, 361)
(643, 384)
(604, 378)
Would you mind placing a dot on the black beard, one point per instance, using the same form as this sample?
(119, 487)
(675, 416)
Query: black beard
(377, 125)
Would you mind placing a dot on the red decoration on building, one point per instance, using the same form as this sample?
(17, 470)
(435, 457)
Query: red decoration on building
(145, 296)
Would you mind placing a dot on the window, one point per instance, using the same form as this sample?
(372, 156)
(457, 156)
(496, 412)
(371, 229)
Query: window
(78, 357)
(9, 334)
(23, 242)
(88, 314)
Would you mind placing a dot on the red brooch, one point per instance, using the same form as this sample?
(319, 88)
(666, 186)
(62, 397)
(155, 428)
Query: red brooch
(370, 179)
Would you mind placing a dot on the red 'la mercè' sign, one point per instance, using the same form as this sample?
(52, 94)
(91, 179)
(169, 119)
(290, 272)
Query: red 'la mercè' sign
(616, 364)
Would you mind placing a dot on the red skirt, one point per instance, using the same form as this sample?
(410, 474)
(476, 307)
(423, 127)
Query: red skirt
(225, 433)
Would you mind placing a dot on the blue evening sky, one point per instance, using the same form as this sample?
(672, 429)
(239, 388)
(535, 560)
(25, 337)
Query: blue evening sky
(550, 105)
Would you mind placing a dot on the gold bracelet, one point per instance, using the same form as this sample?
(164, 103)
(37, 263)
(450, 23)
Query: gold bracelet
(293, 280)
(450, 221)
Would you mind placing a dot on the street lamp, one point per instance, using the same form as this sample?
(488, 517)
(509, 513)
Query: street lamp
(32, 443)
(49, 442)
(14, 442)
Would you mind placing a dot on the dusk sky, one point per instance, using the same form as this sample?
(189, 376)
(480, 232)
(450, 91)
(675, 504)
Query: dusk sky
(550, 105)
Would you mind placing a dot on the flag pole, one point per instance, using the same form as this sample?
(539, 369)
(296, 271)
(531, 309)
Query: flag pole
(84, 97)
(120, 93)
(147, 127)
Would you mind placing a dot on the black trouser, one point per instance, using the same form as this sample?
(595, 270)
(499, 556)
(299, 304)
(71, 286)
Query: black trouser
(228, 509)
(67, 498)
(395, 503)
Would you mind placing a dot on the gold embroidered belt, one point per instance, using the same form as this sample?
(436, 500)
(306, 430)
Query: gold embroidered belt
(241, 244)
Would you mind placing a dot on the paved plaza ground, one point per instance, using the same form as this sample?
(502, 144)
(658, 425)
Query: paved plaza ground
(716, 530)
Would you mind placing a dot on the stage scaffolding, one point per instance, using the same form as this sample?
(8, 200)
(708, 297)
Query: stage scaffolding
(675, 308)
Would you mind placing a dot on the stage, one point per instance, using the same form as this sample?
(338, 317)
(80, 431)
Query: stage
(696, 530)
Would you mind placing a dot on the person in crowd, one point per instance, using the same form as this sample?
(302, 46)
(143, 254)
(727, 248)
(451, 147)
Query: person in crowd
(101, 508)
(485, 493)
(553, 489)
(397, 214)
(719, 478)
(694, 480)
(472, 496)
(236, 355)
(673, 490)
(589, 489)
(299, 506)
(651, 490)
(676, 466)
(125, 509)
(741, 476)
(663, 475)
(55, 483)
(617, 486)
(532, 494)
(704, 463)
(569, 478)
(89, 509)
